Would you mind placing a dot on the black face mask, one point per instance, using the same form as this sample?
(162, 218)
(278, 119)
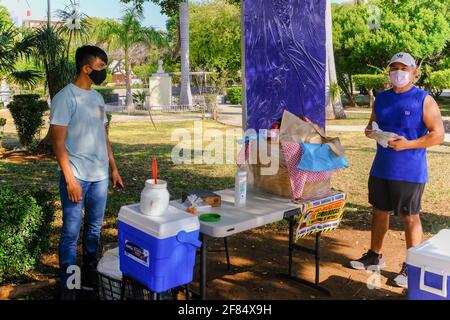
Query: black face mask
(98, 76)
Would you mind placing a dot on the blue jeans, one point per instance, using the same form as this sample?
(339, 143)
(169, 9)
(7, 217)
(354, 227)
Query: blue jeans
(94, 198)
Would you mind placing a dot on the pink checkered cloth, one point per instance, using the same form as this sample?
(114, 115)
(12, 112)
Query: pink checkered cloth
(292, 154)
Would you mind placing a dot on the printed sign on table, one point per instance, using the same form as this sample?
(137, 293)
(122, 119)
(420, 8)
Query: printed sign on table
(320, 215)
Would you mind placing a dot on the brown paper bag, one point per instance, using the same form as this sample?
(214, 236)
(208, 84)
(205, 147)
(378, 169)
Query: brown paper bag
(294, 129)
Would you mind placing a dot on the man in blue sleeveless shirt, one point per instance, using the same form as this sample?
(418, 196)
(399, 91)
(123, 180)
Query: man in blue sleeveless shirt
(399, 172)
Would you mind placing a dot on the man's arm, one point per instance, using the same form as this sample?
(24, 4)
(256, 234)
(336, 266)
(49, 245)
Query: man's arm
(115, 176)
(59, 134)
(368, 130)
(433, 121)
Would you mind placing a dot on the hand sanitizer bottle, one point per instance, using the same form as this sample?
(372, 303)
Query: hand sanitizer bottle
(240, 188)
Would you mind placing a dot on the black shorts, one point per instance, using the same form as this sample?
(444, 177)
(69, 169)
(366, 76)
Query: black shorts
(399, 196)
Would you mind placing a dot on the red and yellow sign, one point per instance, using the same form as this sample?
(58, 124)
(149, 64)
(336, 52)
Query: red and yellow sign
(320, 215)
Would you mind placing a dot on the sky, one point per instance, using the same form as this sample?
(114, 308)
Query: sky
(97, 8)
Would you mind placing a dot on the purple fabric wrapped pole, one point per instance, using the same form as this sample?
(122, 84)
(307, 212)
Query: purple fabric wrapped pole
(285, 60)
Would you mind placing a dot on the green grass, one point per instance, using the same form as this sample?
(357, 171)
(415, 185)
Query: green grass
(353, 119)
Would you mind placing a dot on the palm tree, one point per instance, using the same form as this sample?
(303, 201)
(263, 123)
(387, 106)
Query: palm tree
(13, 47)
(334, 108)
(185, 94)
(178, 8)
(50, 49)
(75, 24)
(125, 34)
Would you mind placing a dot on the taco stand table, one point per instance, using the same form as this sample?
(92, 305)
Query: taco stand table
(260, 209)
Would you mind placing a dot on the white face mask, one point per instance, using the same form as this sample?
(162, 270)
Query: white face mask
(400, 78)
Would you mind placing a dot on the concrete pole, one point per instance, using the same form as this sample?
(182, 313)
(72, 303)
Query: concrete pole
(49, 14)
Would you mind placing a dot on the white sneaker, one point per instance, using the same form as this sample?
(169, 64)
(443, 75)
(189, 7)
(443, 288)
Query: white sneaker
(401, 280)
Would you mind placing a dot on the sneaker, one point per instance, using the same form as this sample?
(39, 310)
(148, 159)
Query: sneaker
(89, 280)
(369, 259)
(67, 294)
(401, 280)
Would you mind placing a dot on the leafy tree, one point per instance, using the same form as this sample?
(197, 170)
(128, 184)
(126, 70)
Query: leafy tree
(419, 27)
(127, 33)
(4, 15)
(75, 24)
(13, 48)
(215, 35)
(438, 81)
(370, 82)
(180, 10)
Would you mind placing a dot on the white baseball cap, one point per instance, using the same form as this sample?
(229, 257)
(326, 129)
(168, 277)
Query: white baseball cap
(404, 58)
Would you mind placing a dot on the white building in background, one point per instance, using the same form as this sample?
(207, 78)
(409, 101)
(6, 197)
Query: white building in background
(34, 23)
(22, 16)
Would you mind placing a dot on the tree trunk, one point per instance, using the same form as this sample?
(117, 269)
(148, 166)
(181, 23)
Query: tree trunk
(346, 87)
(128, 98)
(185, 94)
(333, 108)
(371, 99)
(352, 97)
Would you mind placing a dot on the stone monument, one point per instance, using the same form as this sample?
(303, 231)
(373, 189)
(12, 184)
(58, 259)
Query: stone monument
(5, 93)
(160, 88)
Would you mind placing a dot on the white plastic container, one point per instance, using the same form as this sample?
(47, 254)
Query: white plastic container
(154, 198)
(429, 269)
(240, 188)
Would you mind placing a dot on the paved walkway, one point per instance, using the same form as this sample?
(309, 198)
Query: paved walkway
(120, 118)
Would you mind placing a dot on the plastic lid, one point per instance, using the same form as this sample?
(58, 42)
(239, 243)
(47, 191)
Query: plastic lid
(160, 184)
(210, 217)
(165, 226)
(433, 253)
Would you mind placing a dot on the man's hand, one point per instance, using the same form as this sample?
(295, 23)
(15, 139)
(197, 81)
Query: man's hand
(74, 191)
(116, 180)
(369, 132)
(400, 143)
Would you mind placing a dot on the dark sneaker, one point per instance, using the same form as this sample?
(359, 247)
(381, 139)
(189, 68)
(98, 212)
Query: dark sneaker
(369, 260)
(401, 280)
(67, 294)
(89, 279)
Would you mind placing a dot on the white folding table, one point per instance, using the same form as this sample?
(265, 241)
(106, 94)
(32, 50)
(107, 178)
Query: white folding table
(260, 209)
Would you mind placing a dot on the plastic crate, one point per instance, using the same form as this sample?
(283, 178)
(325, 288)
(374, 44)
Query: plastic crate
(111, 289)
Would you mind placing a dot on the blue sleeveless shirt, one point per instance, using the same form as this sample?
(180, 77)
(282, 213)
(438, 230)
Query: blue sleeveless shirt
(401, 113)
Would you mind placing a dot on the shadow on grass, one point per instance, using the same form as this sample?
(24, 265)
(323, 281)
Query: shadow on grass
(259, 262)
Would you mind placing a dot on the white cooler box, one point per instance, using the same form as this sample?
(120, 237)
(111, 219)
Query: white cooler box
(428, 269)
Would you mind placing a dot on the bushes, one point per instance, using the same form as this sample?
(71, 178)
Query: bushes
(106, 92)
(25, 226)
(109, 117)
(234, 95)
(27, 111)
(370, 82)
(438, 81)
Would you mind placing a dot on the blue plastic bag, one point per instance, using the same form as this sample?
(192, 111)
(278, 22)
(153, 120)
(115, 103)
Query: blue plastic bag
(319, 157)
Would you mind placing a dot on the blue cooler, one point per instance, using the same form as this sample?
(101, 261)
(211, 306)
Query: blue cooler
(428, 269)
(159, 252)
